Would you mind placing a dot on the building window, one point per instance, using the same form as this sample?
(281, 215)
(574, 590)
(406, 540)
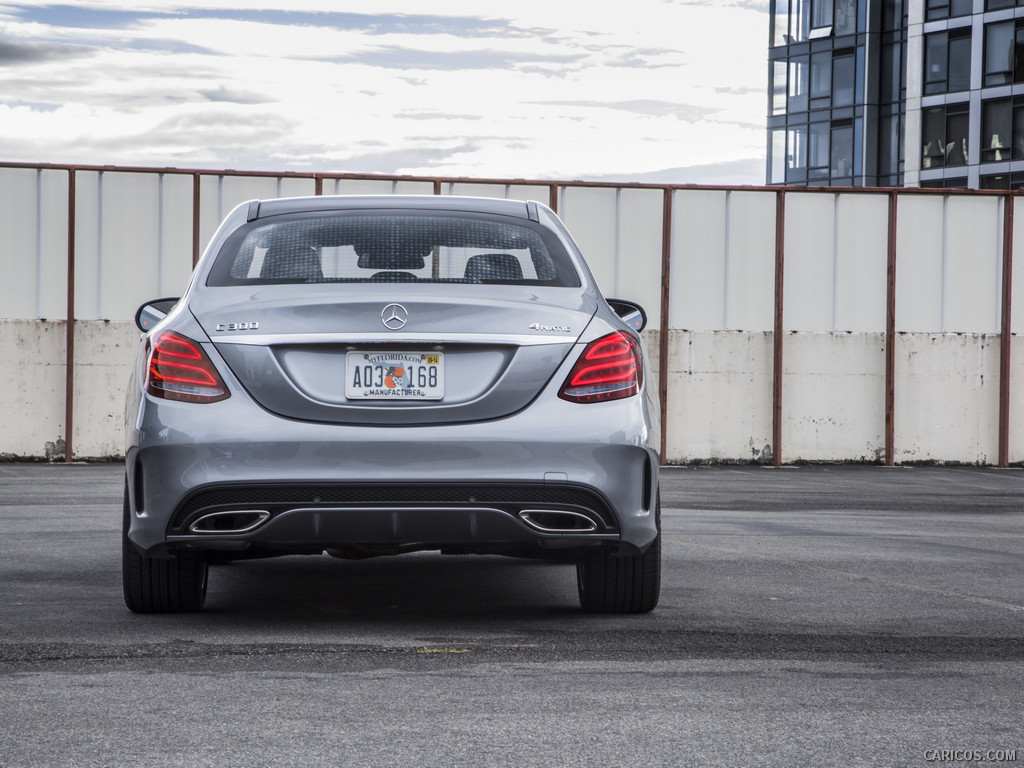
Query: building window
(833, 17)
(777, 174)
(798, 71)
(892, 72)
(842, 151)
(1004, 53)
(995, 5)
(830, 152)
(846, 17)
(1002, 130)
(1003, 181)
(821, 76)
(795, 21)
(894, 14)
(817, 151)
(779, 87)
(780, 32)
(960, 182)
(947, 61)
(944, 138)
(821, 14)
(843, 80)
(889, 145)
(796, 158)
(944, 9)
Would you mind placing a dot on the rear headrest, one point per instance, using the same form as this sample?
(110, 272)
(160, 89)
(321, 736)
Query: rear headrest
(493, 266)
(296, 263)
(392, 254)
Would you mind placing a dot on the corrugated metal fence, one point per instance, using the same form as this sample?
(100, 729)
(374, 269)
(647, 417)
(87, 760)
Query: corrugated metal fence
(799, 324)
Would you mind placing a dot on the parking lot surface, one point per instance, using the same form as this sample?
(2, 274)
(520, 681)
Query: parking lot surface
(817, 615)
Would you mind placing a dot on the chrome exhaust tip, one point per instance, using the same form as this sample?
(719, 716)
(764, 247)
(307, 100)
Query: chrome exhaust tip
(230, 521)
(557, 521)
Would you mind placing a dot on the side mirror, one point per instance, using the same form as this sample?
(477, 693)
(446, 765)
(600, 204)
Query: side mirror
(152, 312)
(632, 314)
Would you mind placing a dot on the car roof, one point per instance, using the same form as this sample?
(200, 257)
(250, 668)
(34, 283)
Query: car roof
(259, 209)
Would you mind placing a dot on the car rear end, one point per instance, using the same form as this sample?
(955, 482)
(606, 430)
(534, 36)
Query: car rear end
(368, 376)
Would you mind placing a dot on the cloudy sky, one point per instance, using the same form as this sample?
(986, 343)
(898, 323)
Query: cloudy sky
(646, 90)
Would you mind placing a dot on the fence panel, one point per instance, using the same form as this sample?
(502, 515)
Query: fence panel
(949, 269)
(810, 261)
(972, 274)
(750, 265)
(33, 243)
(19, 242)
(919, 247)
(638, 265)
(698, 258)
(1017, 275)
(591, 214)
(861, 263)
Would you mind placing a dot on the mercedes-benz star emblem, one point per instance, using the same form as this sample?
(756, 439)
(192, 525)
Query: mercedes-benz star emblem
(394, 317)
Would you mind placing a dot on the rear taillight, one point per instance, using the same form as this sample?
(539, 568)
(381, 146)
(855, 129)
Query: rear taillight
(179, 369)
(608, 369)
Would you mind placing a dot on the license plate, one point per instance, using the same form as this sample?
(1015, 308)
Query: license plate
(394, 376)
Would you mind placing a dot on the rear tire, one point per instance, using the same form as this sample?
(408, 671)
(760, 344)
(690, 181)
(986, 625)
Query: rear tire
(152, 585)
(610, 584)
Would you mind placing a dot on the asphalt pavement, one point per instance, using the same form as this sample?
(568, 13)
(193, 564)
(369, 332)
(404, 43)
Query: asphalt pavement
(810, 616)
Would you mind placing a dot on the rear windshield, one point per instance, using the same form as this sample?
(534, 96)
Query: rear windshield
(394, 247)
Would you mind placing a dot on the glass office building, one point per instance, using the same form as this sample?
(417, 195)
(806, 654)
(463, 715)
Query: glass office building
(837, 91)
(896, 93)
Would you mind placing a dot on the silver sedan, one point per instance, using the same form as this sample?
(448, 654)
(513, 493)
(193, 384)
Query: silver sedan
(367, 376)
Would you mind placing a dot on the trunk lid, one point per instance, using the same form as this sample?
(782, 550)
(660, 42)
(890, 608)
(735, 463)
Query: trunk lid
(297, 348)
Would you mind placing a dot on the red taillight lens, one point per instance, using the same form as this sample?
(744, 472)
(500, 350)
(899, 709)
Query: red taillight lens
(179, 369)
(608, 369)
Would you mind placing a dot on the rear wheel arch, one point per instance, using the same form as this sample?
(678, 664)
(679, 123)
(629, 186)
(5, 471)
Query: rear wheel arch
(153, 585)
(621, 584)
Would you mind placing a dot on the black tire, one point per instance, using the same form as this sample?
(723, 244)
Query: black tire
(610, 584)
(152, 585)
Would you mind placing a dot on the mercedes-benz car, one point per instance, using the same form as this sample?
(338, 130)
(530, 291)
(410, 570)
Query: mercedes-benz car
(370, 376)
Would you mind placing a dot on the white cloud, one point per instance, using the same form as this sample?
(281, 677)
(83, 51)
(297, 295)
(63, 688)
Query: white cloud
(538, 89)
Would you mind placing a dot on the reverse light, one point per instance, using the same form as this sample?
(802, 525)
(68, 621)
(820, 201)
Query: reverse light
(608, 369)
(179, 369)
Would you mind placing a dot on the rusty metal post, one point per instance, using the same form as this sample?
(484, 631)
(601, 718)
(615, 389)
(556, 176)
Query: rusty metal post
(195, 218)
(1005, 331)
(663, 347)
(553, 197)
(780, 247)
(69, 330)
(318, 185)
(890, 336)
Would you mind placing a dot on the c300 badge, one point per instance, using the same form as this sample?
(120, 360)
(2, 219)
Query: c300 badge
(237, 326)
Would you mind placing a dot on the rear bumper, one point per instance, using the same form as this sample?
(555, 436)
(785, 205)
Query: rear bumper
(535, 459)
(312, 518)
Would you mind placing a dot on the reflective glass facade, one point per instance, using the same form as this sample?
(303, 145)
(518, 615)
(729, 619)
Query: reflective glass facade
(819, 108)
(897, 92)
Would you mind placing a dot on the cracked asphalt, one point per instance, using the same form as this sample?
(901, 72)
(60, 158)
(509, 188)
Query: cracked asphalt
(813, 615)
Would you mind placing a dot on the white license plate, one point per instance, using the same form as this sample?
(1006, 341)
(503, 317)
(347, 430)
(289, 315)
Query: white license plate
(394, 375)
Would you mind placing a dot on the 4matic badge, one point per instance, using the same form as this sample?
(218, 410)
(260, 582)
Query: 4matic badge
(555, 328)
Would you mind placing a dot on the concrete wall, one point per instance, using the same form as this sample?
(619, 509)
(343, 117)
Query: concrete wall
(133, 241)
